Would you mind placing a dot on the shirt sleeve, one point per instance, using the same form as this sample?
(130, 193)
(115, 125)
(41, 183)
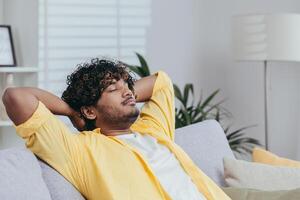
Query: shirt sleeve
(160, 109)
(51, 140)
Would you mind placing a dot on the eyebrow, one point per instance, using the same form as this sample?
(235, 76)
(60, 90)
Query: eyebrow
(115, 81)
(112, 84)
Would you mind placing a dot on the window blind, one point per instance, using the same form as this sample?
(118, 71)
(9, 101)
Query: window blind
(74, 31)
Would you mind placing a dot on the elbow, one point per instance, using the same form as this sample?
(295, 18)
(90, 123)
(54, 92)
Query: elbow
(8, 95)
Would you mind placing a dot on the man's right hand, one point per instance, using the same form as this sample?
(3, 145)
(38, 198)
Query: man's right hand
(77, 121)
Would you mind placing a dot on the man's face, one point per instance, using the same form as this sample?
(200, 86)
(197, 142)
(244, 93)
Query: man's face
(117, 103)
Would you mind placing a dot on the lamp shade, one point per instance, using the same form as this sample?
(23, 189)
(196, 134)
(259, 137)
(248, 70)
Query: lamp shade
(266, 37)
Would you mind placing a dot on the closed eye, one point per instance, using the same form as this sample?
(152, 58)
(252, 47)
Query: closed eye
(112, 90)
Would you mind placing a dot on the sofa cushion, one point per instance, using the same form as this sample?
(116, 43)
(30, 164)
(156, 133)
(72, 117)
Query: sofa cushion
(21, 176)
(58, 186)
(252, 194)
(244, 174)
(206, 144)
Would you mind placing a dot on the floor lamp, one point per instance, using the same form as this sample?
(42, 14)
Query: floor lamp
(264, 38)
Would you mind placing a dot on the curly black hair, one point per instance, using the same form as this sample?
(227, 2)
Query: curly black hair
(87, 82)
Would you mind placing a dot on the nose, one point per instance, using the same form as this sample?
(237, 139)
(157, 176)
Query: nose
(127, 92)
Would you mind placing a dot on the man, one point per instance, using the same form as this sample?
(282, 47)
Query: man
(120, 153)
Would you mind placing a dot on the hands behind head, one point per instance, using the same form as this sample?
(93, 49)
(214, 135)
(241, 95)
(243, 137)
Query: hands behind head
(77, 120)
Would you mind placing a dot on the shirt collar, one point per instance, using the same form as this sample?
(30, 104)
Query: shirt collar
(97, 130)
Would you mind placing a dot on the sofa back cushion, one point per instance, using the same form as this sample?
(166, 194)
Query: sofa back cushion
(58, 186)
(21, 176)
(205, 142)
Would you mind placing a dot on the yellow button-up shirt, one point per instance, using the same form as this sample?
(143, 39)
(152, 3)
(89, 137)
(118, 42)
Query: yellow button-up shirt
(105, 168)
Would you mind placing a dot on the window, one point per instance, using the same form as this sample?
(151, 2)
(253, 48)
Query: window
(73, 31)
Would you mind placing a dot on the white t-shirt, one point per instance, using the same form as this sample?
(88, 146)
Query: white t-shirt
(165, 166)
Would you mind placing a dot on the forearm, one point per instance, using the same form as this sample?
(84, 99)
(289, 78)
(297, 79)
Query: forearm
(55, 104)
(21, 102)
(143, 88)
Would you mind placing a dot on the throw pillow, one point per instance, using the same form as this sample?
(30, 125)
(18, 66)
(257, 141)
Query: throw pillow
(244, 174)
(262, 156)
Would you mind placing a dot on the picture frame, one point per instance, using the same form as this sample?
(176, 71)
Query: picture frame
(7, 51)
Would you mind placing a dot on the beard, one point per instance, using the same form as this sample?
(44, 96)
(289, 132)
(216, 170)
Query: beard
(119, 117)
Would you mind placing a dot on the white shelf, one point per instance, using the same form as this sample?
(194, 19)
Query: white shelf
(6, 123)
(18, 69)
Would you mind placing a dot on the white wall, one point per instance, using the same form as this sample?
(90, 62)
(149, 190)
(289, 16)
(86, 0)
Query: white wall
(1, 11)
(23, 18)
(175, 37)
(191, 40)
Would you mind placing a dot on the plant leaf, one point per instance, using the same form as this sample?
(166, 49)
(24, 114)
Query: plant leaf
(177, 93)
(239, 130)
(188, 87)
(144, 64)
(241, 141)
(135, 69)
(208, 99)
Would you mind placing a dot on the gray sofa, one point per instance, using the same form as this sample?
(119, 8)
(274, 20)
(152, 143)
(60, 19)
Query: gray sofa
(23, 176)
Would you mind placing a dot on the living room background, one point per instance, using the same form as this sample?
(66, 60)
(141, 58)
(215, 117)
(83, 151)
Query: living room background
(191, 41)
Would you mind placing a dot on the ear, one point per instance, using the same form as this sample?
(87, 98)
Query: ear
(88, 112)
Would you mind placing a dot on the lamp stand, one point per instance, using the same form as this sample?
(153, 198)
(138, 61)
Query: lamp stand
(266, 80)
